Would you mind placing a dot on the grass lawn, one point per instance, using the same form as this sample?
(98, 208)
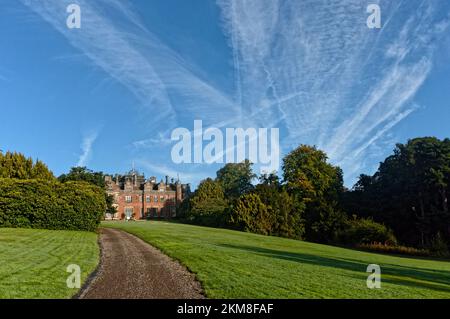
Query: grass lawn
(33, 262)
(233, 264)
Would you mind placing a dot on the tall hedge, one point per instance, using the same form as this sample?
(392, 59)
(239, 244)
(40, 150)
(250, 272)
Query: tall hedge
(50, 204)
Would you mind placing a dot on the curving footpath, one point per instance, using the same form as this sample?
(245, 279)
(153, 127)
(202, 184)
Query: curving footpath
(132, 269)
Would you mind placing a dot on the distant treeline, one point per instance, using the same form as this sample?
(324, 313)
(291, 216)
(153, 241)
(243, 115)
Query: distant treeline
(404, 203)
(402, 208)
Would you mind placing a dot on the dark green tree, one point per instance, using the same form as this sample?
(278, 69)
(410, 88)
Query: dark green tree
(286, 212)
(252, 215)
(95, 178)
(16, 165)
(409, 192)
(84, 174)
(110, 208)
(318, 186)
(236, 178)
(208, 205)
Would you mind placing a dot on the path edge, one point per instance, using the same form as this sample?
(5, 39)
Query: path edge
(97, 271)
(176, 260)
(94, 274)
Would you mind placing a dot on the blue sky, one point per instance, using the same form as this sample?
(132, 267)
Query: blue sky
(110, 93)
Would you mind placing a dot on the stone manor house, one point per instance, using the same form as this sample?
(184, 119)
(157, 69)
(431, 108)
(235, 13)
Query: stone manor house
(138, 198)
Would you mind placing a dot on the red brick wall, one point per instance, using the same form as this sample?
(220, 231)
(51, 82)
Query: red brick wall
(140, 205)
(136, 204)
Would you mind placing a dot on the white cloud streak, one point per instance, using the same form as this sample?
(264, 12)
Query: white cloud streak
(86, 147)
(114, 38)
(332, 81)
(310, 67)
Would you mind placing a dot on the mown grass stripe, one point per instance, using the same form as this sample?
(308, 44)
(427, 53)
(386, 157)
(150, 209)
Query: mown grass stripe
(33, 262)
(234, 264)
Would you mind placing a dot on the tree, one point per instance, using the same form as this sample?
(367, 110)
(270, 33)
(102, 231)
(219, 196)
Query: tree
(236, 178)
(41, 171)
(318, 186)
(287, 213)
(84, 174)
(271, 179)
(252, 215)
(409, 192)
(110, 208)
(16, 165)
(95, 178)
(208, 204)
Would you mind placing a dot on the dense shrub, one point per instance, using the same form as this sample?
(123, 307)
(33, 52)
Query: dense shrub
(208, 205)
(83, 174)
(252, 215)
(359, 231)
(50, 204)
(400, 250)
(409, 193)
(285, 214)
(439, 246)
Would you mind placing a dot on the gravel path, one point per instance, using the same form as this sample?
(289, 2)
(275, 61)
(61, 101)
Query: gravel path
(132, 269)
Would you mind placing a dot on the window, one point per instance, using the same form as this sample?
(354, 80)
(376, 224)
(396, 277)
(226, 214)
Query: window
(147, 199)
(152, 212)
(162, 199)
(128, 199)
(128, 212)
(155, 199)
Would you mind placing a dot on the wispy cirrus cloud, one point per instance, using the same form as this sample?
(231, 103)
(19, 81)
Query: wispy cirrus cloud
(158, 140)
(86, 147)
(194, 176)
(310, 67)
(332, 81)
(128, 52)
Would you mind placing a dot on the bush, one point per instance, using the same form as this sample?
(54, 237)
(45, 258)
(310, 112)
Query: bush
(285, 211)
(50, 204)
(439, 247)
(400, 250)
(252, 215)
(208, 206)
(365, 231)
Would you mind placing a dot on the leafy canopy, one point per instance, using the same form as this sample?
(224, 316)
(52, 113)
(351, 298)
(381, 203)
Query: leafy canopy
(16, 165)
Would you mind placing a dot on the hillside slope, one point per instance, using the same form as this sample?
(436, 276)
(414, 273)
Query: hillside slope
(234, 264)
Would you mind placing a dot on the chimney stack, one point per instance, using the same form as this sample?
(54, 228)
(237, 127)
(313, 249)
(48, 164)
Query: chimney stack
(167, 179)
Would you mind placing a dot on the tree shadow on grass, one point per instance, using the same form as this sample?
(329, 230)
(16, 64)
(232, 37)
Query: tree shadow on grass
(435, 279)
